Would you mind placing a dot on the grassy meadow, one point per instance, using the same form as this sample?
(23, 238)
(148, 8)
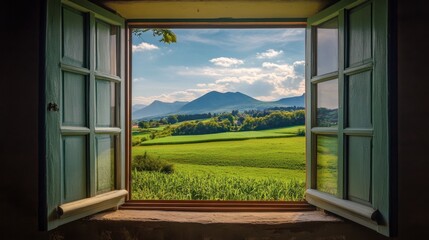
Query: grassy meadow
(250, 165)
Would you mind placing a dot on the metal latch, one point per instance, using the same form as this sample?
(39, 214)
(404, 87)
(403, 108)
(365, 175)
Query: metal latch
(53, 107)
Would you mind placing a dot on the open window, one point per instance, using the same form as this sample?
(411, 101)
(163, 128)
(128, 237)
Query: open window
(84, 111)
(347, 111)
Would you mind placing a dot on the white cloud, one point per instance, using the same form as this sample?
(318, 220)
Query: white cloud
(242, 40)
(270, 53)
(142, 47)
(269, 82)
(226, 62)
(138, 79)
(185, 95)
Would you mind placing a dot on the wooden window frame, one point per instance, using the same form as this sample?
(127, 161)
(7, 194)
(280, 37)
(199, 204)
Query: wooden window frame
(198, 205)
(379, 216)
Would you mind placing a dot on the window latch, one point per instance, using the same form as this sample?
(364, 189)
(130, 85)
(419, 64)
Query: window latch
(53, 107)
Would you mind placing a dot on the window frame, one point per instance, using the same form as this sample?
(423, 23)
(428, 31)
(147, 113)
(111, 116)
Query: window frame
(198, 205)
(55, 210)
(378, 216)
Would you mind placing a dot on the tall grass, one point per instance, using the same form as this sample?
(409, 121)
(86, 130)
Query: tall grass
(185, 186)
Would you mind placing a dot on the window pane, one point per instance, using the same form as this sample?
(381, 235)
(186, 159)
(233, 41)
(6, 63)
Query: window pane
(327, 47)
(327, 164)
(327, 104)
(359, 106)
(105, 163)
(74, 167)
(73, 38)
(107, 48)
(74, 104)
(106, 104)
(359, 35)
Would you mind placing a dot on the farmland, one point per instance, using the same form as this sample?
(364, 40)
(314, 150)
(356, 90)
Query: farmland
(249, 165)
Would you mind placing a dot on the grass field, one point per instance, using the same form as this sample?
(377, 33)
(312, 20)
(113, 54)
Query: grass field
(254, 165)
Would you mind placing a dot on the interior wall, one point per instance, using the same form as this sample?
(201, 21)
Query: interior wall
(20, 51)
(413, 112)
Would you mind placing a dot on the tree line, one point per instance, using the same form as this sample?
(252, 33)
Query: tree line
(228, 122)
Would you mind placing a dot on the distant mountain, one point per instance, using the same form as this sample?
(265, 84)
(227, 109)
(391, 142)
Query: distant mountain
(214, 102)
(158, 108)
(219, 102)
(292, 101)
(136, 107)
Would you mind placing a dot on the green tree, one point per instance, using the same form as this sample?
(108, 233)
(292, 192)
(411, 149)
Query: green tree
(167, 36)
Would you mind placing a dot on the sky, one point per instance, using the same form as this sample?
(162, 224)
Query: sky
(266, 64)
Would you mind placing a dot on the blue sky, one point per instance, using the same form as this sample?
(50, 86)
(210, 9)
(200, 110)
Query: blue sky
(267, 64)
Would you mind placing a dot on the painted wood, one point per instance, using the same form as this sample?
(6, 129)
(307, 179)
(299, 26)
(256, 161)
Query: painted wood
(105, 162)
(359, 34)
(74, 100)
(363, 110)
(73, 37)
(82, 206)
(359, 102)
(70, 144)
(74, 162)
(52, 118)
(359, 159)
(362, 214)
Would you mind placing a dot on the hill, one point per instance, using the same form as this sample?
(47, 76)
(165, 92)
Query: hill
(219, 102)
(214, 102)
(158, 108)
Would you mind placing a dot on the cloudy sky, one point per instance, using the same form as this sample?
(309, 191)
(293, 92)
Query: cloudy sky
(267, 64)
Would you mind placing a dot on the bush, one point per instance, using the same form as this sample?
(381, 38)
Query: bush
(300, 132)
(146, 162)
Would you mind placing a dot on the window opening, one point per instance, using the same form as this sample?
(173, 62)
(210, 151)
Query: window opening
(219, 115)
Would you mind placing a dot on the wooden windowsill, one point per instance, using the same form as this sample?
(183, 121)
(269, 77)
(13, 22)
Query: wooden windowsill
(261, 218)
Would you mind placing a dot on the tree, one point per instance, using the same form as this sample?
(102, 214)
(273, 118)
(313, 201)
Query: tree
(167, 36)
(172, 119)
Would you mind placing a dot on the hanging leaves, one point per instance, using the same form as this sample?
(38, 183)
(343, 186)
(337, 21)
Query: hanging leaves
(167, 36)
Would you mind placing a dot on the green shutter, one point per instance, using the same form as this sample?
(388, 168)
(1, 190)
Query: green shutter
(84, 117)
(347, 109)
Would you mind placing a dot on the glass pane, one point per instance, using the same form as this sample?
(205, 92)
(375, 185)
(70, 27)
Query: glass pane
(107, 48)
(327, 104)
(74, 104)
(74, 167)
(73, 38)
(359, 104)
(327, 164)
(327, 47)
(105, 163)
(107, 115)
(359, 35)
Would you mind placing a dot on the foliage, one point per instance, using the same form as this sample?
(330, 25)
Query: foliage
(327, 117)
(185, 186)
(167, 36)
(146, 162)
(300, 132)
(227, 136)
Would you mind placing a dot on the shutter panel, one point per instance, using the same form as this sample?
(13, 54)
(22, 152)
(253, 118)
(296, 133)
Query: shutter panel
(347, 109)
(84, 119)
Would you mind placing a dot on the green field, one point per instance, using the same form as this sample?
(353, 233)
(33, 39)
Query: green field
(251, 165)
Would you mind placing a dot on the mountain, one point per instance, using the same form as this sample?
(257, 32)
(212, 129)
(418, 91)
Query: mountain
(219, 102)
(158, 108)
(136, 107)
(292, 101)
(214, 102)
